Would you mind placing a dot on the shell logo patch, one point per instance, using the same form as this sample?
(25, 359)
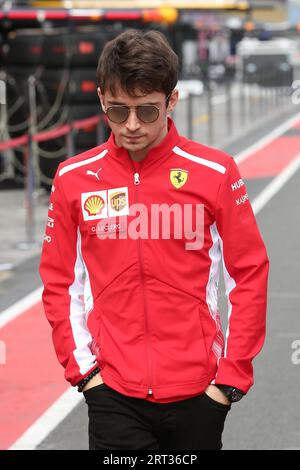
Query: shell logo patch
(178, 177)
(94, 205)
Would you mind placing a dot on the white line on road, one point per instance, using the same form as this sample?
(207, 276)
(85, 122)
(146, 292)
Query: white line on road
(278, 131)
(48, 421)
(276, 184)
(20, 307)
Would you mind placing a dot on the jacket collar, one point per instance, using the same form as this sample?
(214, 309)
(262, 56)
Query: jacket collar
(162, 150)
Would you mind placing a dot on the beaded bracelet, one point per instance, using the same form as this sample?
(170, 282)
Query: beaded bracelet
(84, 381)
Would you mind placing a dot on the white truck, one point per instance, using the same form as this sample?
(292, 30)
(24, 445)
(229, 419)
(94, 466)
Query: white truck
(267, 63)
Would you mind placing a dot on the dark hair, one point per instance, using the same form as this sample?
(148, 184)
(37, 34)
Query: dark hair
(138, 61)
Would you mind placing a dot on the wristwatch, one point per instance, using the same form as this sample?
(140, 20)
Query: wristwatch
(232, 393)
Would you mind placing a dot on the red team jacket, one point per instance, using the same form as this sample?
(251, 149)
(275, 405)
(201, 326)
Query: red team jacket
(139, 304)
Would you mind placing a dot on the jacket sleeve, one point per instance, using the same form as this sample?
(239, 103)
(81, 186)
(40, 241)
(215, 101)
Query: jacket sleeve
(245, 267)
(62, 271)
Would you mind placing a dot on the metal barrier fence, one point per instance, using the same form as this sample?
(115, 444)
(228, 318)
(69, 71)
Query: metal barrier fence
(225, 112)
(28, 142)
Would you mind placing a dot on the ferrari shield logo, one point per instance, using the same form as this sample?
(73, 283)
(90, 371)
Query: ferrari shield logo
(178, 177)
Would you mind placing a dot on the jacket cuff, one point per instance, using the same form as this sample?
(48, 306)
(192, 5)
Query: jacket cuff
(236, 373)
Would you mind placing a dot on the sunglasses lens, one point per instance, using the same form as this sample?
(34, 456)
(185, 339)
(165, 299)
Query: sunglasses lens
(117, 114)
(147, 113)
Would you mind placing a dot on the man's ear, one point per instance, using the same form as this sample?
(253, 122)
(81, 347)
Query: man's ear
(173, 100)
(101, 98)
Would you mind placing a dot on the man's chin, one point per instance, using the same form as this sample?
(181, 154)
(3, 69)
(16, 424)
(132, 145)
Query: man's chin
(133, 145)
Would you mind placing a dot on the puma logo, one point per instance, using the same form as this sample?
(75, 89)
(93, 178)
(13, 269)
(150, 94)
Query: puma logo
(90, 172)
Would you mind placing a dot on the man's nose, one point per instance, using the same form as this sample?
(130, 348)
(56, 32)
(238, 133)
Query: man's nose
(132, 122)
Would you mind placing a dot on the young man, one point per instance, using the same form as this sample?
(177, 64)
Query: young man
(131, 299)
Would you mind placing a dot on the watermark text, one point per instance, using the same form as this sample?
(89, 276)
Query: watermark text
(296, 92)
(161, 222)
(296, 353)
(2, 353)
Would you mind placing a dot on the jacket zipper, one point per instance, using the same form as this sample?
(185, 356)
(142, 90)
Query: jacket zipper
(137, 181)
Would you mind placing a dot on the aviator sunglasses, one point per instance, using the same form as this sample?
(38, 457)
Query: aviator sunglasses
(148, 113)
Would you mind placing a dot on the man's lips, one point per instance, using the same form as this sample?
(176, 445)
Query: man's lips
(133, 137)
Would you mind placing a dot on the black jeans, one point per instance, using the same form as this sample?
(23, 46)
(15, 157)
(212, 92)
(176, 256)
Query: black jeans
(119, 422)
